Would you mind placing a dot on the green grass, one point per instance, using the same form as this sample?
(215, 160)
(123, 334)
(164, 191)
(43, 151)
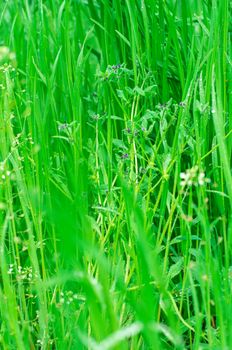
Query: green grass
(115, 174)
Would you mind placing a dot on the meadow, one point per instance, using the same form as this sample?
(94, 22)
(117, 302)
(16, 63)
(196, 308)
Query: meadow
(115, 174)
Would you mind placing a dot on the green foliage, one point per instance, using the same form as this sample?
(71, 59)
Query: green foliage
(115, 174)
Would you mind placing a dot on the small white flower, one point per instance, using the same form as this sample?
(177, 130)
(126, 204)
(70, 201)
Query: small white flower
(201, 178)
(193, 176)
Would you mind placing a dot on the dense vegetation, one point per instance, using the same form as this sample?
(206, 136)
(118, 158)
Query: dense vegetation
(115, 174)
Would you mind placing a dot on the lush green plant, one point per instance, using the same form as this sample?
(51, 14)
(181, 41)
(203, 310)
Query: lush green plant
(115, 174)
